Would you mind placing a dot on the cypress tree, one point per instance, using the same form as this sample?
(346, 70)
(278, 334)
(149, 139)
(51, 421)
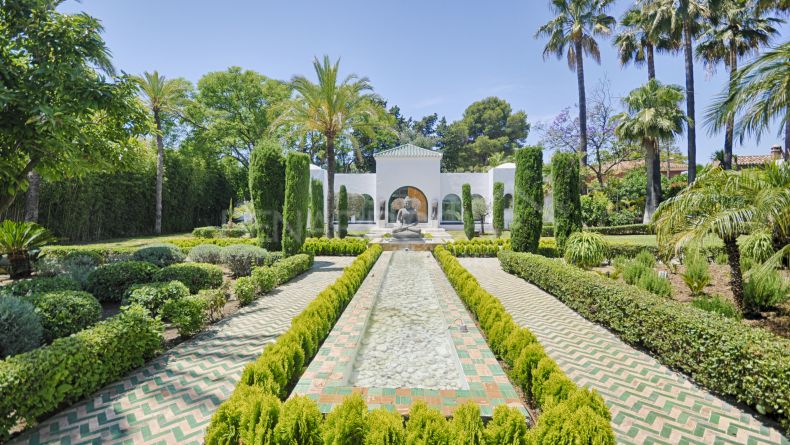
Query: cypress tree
(267, 190)
(499, 208)
(297, 189)
(469, 220)
(317, 208)
(567, 198)
(342, 210)
(527, 200)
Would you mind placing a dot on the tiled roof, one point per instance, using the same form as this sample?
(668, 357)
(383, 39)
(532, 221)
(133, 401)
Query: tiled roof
(408, 151)
(630, 165)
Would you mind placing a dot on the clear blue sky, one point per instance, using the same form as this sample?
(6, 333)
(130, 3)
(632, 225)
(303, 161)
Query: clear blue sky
(424, 56)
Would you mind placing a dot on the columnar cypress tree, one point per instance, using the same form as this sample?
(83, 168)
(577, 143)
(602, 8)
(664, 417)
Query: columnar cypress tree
(469, 220)
(297, 189)
(527, 200)
(499, 208)
(267, 190)
(317, 208)
(567, 199)
(342, 210)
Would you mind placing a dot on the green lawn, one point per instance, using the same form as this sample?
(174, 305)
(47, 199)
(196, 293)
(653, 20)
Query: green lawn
(137, 241)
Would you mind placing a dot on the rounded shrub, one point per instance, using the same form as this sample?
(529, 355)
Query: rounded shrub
(244, 290)
(111, 281)
(347, 423)
(386, 428)
(205, 253)
(507, 426)
(63, 313)
(160, 254)
(205, 232)
(188, 314)
(39, 285)
(300, 422)
(195, 276)
(242, 258)
(585, 249)
(153, 296)
(467, 425)
(20, 327)
(426, 425)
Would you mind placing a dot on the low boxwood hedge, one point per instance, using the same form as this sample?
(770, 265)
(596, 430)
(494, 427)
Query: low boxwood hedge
(281, 363)
(541, 379)
(266, 278)
(625, 229)
(490, 247)
(195, 276)
(747, 363)
(334, 246)
(38, 382)
(111, 281)
(39, 285)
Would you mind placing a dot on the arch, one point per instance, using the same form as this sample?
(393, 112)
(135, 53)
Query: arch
(451, 208)
(507, 201)
(366, 213)
(418, 199)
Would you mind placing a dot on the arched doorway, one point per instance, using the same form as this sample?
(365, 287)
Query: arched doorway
(419, 202)
(366, 214)
(451, 209)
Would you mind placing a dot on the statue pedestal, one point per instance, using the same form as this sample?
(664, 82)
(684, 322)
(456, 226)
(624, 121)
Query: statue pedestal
(407, 234)
(381, 223)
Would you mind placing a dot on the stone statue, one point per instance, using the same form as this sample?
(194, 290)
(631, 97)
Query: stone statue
(407, 219)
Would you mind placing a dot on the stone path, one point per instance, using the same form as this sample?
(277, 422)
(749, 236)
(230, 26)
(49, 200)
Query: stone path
(649, 402)
(172, 398)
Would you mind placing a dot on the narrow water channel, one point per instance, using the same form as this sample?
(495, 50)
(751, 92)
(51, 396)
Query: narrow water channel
(406, 343)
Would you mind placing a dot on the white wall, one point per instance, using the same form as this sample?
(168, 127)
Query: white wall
(394, 173)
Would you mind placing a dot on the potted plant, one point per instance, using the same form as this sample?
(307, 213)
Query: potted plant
(17, 239)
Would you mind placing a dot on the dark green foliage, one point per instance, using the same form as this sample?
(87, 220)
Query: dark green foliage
(347, 423)
(38, 382)
(633, 271)
(244, 290)
(651, 281)
(316, 208)
(267, 278)
(20, 330)
(565, 188)
(758, 363)
(110, 281)
(195, 276)
(188, 314)
(426, 426)
(499, 209)
(267, 189)
(205, 253)
(717, 304)
(154, 296)
(297, 192)
(39, 285)
(466, 202)
(159, 254)
(385, 428)
(205, 232)
(342, 212)
(527, 222)
(335, 246)
(63, 313)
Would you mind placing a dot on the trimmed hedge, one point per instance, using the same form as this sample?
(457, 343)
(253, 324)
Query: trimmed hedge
(160, 254)
(316, 208)
(626, 229)
(567, 199)
(205, 232)
(154, 296)
(63, 313)
(110, 281)
(498, 219)
(538, 375)
(196, 276)
(334, 246)
(39, 285)
(267, 278)
(528, 199)
(297, 192)
(267, 189)
(187, 243)
(281, 364)
(342, 212)
(724, 355)
(38, 382)
(20, 327)
(466, 202)
(490, 247)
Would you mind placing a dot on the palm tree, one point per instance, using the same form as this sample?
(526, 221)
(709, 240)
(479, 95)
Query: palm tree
(682, 19)
(161, 96)
(760, 95)
(332, 108)
(737, 30)
(638, 40)
(575, 26)
(653, 115)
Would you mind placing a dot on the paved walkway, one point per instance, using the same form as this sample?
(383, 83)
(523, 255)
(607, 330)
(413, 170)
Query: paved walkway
(172, 398)
(649, 402)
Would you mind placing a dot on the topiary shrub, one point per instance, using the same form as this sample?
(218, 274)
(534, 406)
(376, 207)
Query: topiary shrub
(39, 285)
(244, 290)
(585, 249)
(153, 296)
(525, 230)
(111, 281)
(507, 426)
(566, 190)
(63, 313)
(466, 427)
(20, 327)
(205, 253)
(300, 422)
(297, 189)
(466, 203)
(347, 423)
(342, 212)
(205, 232)
(385, 428)
(426, 426)
(188, 314)
(316, 208)
(195, 276)
(267, 190)
(241, 259)
(717, 304)
(159, 254)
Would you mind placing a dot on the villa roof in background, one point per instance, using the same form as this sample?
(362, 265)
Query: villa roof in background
(408, 151)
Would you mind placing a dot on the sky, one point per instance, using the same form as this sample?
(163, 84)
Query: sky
(424, 56)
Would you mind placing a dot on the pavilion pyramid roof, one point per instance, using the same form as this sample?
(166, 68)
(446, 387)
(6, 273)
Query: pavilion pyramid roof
(408, 151)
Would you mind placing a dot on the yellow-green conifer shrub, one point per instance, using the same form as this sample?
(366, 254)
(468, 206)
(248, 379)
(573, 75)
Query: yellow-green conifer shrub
(300, 423)
(385, 428)
(466, 426)
(347, 423)
(426, 426)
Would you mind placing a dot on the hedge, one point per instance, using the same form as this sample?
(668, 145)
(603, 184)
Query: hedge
(267, 189)
(316, 208)
(334, 246)
(267, 278)
(747, 363)
(566, 193)
(466, 202)
(107, 254)
(541, 379)
(342, 212)
(281, 362)
(110, 281)
(196, 276)
(527, 199)
(297, 192)
(498, 219)
(38, 382)
(627, 229)
(490, 247)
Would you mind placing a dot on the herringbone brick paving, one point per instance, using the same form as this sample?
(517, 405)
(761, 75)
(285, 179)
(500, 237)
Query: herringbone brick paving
(649, 402)
(171, 399)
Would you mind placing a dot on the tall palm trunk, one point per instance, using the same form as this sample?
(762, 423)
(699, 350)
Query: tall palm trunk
(736, 278)
(653, 195)
(655, 170)
(787, 137)
(729, 130)
(32, 196)
(692, 134)
(160, 169)
(330, 186)
(582, 102)
(651, 62)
